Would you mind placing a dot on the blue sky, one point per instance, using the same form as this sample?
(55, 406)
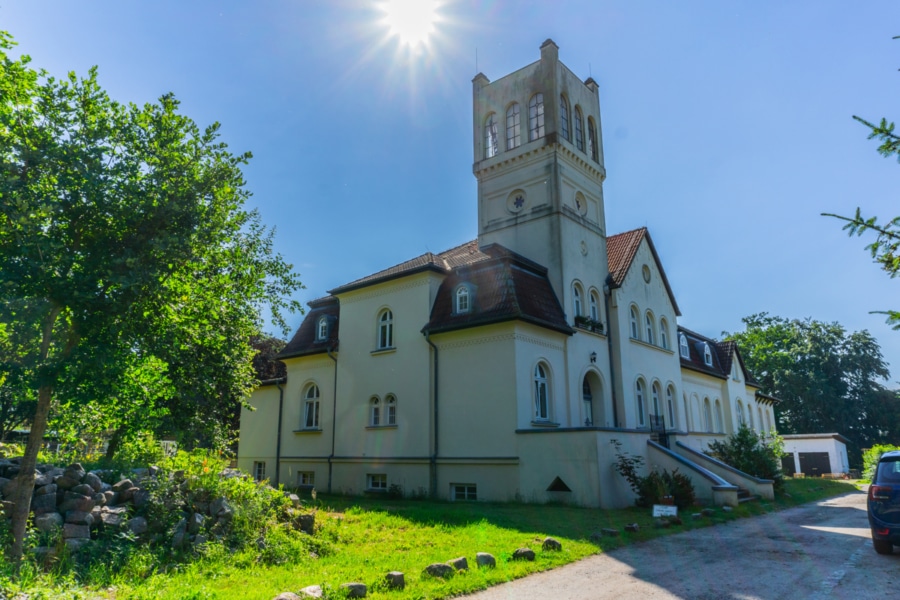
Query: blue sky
(726, 128)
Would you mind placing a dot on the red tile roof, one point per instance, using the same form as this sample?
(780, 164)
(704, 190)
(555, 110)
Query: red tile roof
(621, 250)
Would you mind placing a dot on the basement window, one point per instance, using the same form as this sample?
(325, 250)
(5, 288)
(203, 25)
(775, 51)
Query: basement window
(463, 491)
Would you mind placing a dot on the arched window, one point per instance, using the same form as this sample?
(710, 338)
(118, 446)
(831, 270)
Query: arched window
(588, 399)
(670, 406)
(656, 394)
(541, 393)
(750, 416)
(720, 426)
(390, 405)
(462, 299)
(707, 415)
(595, 306)
(322, 328)
(768, 422)
(663, 333)
(760, 413)
(648, 324)
(513, 124)
(576, 295)
(564, 118)
(593, 146)
(639, 401)
(385, 329)
(707, 355)
(490, 136)
(374, 411)
(579, 129)
(683, 348)
(740, 413)
(635, 333)
(311, 407)
(536, 117)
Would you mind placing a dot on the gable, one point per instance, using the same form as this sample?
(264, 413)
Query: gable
(621, 250)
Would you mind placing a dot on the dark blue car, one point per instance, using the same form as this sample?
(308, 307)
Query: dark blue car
(884, 503)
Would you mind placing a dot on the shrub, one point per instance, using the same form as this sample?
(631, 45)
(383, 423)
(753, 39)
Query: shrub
(754, 454)
(652, 487)
(871, 456)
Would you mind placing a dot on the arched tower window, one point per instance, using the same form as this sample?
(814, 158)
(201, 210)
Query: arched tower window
(490, 136)
(385, 329)
(639, 401)
(664, 333)
(513, 126)
(536, 117)
(635, 332)
(579, 129)
(564, 118)
(541, 393)
(593, 146)
(311, 407)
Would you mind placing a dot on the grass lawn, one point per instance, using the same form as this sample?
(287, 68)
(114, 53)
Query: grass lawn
(367, 537)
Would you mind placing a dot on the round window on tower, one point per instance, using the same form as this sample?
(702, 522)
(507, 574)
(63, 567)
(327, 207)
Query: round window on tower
(580, 203)
(516, 201)
(645, 270)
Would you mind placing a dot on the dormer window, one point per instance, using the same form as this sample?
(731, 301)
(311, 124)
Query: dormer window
(322, 329)
(707, 355)
(462, 300)
(683, 346)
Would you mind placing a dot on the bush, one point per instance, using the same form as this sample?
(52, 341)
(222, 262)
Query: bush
(651, 488)
(754, 454)
(871, 456)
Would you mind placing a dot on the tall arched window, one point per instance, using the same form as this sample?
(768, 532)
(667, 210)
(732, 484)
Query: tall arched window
(759, 413)
(595, 306)
(322, 328)
(374, 411)
(670, 406)
(656, 394)
(536, 117)
(750, 416)
(462, 299)
(683, 346)
(513, 125)
(588, 397)
(648, 325)
(593, 146)
(576, 295)
(707, 415)
(579, 129)
(490, 136)
(541, 393)
(390, 405)
(311, 407)
(768, 422)
(664, 333)
(740, 413)
(720, 426)
(639, 401)
(635, 332)
(564, 118)
(385, 329)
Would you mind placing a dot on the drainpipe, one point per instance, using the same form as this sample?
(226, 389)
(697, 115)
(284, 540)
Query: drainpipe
(435, 453)
(333, 414)
(278, 383)
(607, 292)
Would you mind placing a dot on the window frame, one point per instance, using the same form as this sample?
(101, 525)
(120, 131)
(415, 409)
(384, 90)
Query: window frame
(541, 391)
(468, 489)
(310, 476)
(390, 413)
(577, 300)
(670, 405)
(374, 411)
(649, 327)
(635, 318)
(491, 136)
(656, 396)
(322, 328)
(639, 400)
(707, 414)
(376, 482)
(564, 118)
(595, 305)
(707, 355)
(664, 333)
(462, 293)
(579, 129)
(720, 420)
(259, 470)
(536, 125)
(593, 140)
(513, 126)
(684, 350)
(311, 395)
(385, 330)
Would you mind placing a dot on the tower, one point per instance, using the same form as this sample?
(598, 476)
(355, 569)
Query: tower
(538, 158)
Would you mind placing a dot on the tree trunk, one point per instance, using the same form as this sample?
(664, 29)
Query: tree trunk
(25, 479)
(114, 442)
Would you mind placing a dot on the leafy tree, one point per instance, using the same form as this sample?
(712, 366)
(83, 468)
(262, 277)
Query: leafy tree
(828, 380)
(131, 276)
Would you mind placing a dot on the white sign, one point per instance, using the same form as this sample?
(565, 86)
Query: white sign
(662, 510)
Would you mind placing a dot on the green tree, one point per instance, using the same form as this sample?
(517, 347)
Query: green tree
(752, 453)
(127, 259)
(828, 380)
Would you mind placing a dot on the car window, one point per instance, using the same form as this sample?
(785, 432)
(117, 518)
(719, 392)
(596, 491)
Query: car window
(889, 472)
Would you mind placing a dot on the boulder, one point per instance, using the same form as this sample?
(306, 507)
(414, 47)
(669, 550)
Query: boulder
(9, 488)
(93, 480)
(76, 502)
(727, 508)
(79, 518)
(195, 523)
(140, 498)
(523, 554)
(71, 530)
(111, 519)
(199, 540)
(551, 545)
(632, 527)
(395, 580)
(180, 537)
(220, 509)
(99, 499)
(354, 589)
(128, 493)
(441, 570)
(137, 525)
(311, 591)
(75, 471)
(122, 486)
(295, 499)
(609, 532)
(42, 479)
(661, 523)
(287, 596)
(96, 516)
(707, 512)
(460, 564)
(111, 497)
(485, 560)
(50, 488)
(43, 503)
(48, 522)
(76, 544)
(45, 555)
(305, 522)
(64, 482)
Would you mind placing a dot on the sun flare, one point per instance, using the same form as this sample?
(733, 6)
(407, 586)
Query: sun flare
(412, 21)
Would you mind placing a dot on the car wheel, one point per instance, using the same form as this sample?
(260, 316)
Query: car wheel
(883, 546)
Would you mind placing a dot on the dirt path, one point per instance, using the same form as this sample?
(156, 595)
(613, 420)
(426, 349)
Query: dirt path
(816, 551)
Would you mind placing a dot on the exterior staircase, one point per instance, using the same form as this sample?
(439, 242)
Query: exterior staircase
(744, 495)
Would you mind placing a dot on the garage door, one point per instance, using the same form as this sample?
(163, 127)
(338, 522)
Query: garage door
(787, 465)
(814, 464)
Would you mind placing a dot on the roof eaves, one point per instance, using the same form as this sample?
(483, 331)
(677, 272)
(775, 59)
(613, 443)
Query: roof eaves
(388, 277)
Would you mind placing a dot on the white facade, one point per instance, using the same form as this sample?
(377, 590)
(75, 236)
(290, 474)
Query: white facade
(503, 368)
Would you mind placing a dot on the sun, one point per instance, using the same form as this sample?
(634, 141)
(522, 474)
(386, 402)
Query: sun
(412, 21)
